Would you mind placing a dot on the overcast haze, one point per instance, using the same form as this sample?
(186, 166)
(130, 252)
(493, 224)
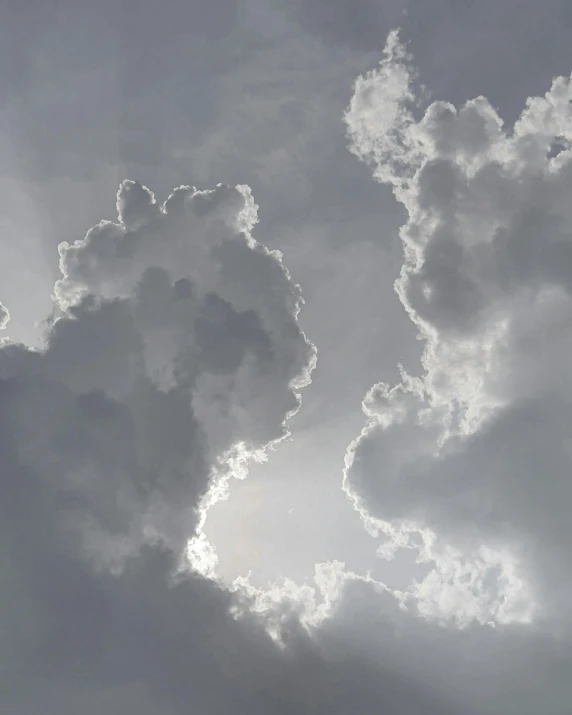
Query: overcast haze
(285, 388)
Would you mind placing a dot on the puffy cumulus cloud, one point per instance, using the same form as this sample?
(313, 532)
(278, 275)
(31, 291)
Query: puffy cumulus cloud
(176, 341)
(214, 309)
(176, 338)
(469, 462)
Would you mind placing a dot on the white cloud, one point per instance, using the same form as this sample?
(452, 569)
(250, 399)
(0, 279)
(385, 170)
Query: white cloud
(469, 462)
(109, 442)
(380, 115)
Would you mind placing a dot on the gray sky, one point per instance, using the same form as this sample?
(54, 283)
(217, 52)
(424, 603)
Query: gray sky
(407, 555)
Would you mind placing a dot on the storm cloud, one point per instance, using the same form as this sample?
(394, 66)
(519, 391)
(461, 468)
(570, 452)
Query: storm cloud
(173, 409)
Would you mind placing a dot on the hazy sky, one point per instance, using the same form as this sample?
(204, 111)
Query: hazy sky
(286, 306)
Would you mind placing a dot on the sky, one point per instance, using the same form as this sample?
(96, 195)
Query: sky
(285, 324)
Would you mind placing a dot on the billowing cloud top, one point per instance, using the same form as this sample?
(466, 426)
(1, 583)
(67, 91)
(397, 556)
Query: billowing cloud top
(474, 454)
(468, 464)
(177, 340)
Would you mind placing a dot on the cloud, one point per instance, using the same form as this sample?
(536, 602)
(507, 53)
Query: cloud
(481, 669)
(175, 338)
(468, 463)
(174, 355)
(4, 316)
(176, 333)
(359, 26)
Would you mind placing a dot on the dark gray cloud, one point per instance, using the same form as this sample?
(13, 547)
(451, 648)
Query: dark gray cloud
(512, 669)
(166, 352)
(137, 390)
(165, 355)
(143, 643)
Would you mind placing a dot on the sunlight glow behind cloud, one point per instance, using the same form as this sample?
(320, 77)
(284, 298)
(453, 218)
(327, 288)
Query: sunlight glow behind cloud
(175, 365)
